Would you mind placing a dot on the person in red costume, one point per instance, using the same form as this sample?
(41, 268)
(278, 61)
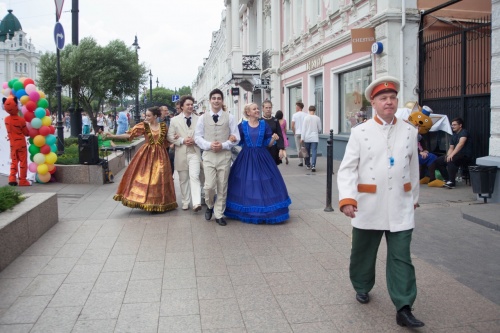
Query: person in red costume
(17, 132)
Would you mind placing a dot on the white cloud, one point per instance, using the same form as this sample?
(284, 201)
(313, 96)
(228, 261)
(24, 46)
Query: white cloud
(174, 36)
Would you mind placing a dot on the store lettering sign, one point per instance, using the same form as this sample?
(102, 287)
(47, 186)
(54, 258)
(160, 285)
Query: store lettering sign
(314, 63)
(362, 39)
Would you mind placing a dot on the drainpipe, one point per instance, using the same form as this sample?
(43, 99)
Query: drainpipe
(401, 52)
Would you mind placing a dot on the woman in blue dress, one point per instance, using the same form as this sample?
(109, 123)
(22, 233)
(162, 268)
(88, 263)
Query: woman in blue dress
(256, 192)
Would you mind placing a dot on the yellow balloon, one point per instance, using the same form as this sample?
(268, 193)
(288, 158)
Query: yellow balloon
(21, 79)
(39, 140)
(42, 94)
(50, 158)
(42, 169)
(46, 121)
(25, 99)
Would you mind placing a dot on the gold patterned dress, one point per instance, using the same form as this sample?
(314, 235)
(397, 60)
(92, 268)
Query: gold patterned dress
(147, 183)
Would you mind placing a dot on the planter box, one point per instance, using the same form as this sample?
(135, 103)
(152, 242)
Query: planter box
(93, 174)
(25, 224)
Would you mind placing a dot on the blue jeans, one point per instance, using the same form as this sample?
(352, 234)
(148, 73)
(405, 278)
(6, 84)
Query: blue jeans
(312, 148)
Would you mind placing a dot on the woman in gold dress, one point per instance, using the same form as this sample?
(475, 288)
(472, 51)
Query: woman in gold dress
(147, 183)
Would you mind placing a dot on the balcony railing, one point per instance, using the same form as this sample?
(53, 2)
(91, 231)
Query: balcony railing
(251, 62)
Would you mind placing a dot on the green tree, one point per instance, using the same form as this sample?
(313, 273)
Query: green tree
(95, 73)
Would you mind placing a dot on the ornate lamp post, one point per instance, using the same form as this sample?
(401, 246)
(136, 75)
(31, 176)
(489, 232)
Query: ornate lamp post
(150, 87)
(137, 116)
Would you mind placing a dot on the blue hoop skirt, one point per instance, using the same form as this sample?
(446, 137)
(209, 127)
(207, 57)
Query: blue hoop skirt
(256, 191)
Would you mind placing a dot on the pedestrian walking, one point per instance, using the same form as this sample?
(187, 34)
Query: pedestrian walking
(311, 127)
(297, 119)
(378, 182)
(212, 134)
(188, 156)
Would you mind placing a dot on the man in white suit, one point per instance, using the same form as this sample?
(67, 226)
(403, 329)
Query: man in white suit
(187, 153)
(378, 183)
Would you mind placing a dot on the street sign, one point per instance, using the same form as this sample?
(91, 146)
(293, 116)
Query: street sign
(175, 98)
(59, 36)
(59, 6)
(261, 86)
(235, 91)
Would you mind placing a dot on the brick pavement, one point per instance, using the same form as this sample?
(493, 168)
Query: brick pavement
(108, 268)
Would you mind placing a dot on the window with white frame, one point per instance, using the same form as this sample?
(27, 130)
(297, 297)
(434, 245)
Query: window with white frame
(334, 6)
(16, 66)
(354, 107)
(298, 18)
(26, 68)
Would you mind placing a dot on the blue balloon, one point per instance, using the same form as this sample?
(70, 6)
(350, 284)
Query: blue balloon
(20, 93)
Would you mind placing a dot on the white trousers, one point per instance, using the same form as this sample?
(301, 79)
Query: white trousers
(190, 180)
(297, 145)
(216, 167)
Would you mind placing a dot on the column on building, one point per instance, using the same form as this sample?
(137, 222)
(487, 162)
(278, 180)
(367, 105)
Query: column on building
(236, 53)
(275, 47)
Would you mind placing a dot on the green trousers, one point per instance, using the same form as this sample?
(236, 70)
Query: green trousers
(400, 273)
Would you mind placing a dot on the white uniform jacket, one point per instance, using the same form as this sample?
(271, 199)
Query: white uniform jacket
(178, 126)
(384, 195)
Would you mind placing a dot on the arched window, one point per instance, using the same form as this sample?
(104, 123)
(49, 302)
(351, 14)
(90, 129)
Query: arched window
(21, 39)
(26, 68)
(16, 67)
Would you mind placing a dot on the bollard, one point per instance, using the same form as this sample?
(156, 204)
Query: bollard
(329, 173)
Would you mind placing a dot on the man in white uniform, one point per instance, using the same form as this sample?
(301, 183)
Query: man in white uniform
(187, 153)
(212, 135)
(378, 183)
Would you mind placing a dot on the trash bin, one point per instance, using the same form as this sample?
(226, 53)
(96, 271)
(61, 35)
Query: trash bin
(483, 180)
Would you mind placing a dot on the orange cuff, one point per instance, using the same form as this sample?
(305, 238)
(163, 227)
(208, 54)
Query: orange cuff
(345, 202)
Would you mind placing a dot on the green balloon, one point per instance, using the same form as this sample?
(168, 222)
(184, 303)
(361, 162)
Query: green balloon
(33, 150)
(30, 140)
(43, 103)
(18, 85)
(11, 83)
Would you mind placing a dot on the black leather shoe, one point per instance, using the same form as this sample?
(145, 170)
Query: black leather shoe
(404, 317)
(362, 298)
(221, 221)
(208, 213)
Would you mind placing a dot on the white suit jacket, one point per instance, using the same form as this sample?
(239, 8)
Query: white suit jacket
(178, 126)
(384, 195)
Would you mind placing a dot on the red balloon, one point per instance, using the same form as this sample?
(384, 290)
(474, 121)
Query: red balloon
(52, 129)
(44, 130)
(33, 132)
(45, 149)
(47, 112)
(28, 81)
(31, 106)
(28, 116)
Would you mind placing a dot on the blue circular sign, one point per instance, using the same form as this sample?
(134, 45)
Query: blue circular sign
(377, 48)
(59, 36)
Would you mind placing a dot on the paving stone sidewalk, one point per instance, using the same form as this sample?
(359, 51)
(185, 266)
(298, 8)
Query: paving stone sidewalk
(108, 268)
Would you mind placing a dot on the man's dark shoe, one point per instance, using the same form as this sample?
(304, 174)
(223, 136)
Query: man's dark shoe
(208, 213)
(362, 298)
(404, 317)
(221, 221)
(301, 164)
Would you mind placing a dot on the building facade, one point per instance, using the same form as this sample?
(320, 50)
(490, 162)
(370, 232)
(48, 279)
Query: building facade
(18, 56)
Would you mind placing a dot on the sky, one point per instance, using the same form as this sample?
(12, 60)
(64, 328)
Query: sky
(174, 35)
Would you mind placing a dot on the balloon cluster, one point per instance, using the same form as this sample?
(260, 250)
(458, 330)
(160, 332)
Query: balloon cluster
(42, 140)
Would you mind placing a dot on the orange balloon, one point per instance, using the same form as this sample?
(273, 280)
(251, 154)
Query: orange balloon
(44, 178)
(39, 140)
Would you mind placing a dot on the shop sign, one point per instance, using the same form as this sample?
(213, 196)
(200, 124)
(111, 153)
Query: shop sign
(314, 63)
(362, 39)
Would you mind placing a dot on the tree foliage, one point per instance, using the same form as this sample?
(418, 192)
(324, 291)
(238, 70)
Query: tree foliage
(95, 73)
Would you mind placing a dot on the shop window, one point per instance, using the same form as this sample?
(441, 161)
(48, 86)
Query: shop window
(354, 107)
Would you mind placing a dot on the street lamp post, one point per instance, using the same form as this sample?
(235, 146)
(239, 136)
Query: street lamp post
(137, 117)
(150, 87)
(157, 82)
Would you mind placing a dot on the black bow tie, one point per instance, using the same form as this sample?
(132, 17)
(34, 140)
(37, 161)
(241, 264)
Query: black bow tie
(215, 117)
(188, 121)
